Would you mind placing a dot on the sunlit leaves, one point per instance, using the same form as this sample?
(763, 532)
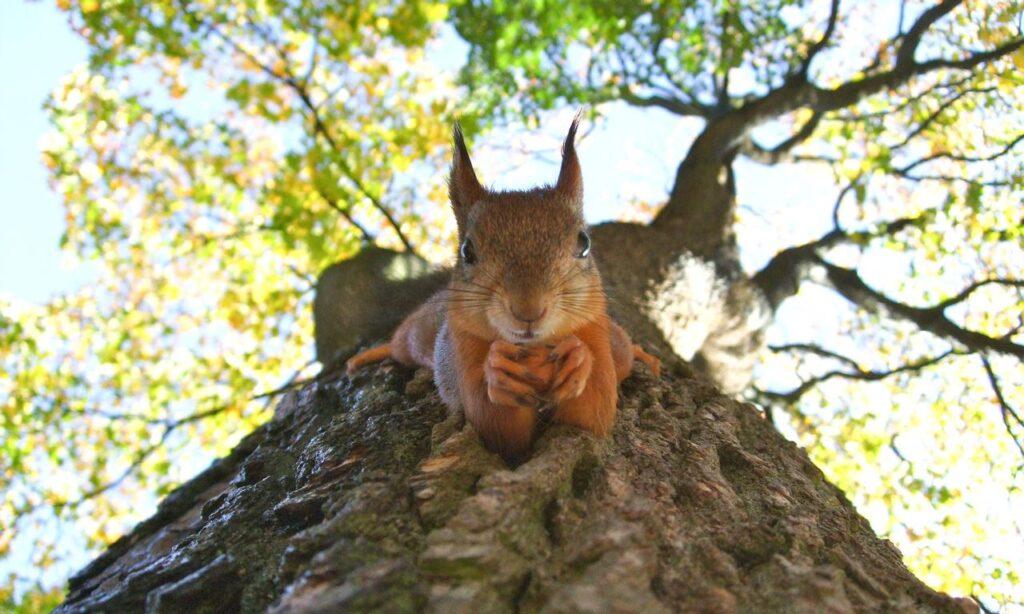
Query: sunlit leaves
(542, 54)
(203, 157)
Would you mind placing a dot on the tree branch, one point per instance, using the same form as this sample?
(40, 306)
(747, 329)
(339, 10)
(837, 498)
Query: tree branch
(782, 276)
(928, 121)
(966, 292)
(857, 373)
(345, 213)
(140, 457)
(780, 152)
(169, 426)
(700, 170)
(320, 128)
(994, 183)
(815, 49)
(912, 39)
(932, 319)
(852, 92)
(945, 155)
(974, 59)
(811, 348)
(670, 104)
(849, 93)
(1009, 415)
(909, 99)
(102, 488)
(798, 93)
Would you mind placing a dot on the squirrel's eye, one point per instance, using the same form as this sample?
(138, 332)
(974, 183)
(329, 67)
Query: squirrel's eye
(467, 252)
(582, 245)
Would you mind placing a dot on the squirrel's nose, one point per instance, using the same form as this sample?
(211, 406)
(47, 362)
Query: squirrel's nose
(528, 314)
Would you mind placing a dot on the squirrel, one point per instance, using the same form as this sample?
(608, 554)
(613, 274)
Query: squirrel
(521, 333)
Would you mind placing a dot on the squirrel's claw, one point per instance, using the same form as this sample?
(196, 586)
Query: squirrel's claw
(511, 383)
(504, 356)
(501, 393)
(575, 364)
(504, 381)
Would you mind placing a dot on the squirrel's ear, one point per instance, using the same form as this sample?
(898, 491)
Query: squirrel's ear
(570, 178)
(463, 187)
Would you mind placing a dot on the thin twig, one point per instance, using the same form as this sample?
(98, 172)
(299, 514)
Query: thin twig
(1007, 412)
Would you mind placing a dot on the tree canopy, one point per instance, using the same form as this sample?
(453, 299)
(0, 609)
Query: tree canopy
(213, 157)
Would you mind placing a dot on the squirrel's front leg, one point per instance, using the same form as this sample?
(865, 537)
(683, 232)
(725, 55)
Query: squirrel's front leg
(585, 386)
(497, 396)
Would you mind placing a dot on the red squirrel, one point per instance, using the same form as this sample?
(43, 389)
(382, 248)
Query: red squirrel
(522, 328)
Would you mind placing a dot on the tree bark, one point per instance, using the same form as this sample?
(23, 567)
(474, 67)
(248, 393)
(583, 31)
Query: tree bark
(363, 494)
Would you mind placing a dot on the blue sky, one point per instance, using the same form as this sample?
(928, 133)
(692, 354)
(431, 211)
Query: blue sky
(36, 50)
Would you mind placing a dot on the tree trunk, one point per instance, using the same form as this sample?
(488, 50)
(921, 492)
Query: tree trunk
(364, 495)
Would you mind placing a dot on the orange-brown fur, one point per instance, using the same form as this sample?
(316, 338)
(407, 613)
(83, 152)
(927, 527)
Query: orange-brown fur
(524, 284)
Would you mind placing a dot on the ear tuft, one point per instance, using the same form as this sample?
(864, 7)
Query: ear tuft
(570, 177)
(463, 187)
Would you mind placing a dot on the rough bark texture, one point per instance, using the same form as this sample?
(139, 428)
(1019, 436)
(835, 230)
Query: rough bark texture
(364, 495)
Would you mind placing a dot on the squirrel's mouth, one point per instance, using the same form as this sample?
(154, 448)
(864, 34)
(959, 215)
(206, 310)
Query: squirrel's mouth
(519, 332)
(527, 335)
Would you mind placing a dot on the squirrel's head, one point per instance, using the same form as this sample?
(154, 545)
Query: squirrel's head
(524, 271)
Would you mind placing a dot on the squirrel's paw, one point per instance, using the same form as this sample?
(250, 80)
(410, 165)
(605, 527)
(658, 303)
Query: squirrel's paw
(575, 362)
(509, 382)
(652, 361)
